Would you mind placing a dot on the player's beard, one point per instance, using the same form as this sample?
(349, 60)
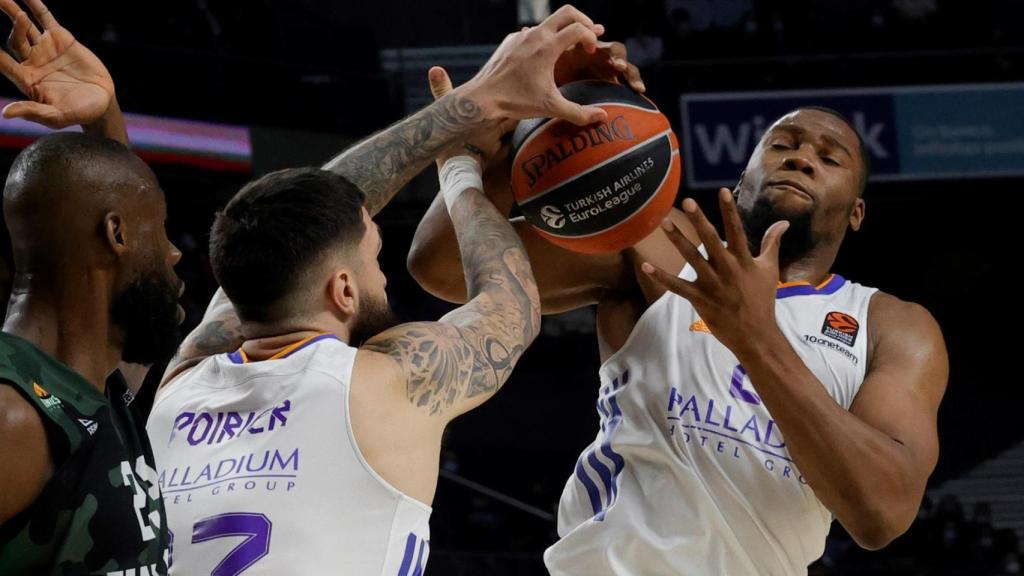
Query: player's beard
(374, 316)
(147, 312)
(798, 240)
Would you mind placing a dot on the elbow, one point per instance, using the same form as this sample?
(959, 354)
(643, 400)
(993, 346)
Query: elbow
(418, 263)
(880, 507)
(430, 274)
(874, 537)
(876, 529)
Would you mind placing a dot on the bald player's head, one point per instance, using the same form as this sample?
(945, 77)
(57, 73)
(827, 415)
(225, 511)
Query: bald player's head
(86, 214)
(64, 184)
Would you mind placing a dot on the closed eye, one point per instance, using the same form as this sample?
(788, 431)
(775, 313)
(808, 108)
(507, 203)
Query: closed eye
(830, 161)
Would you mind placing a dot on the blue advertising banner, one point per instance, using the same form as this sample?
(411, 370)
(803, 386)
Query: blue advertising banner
(912, 133)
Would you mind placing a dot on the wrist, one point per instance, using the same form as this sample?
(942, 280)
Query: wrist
(476, 94)
(457, 175)
(110, 125)
(760, 345)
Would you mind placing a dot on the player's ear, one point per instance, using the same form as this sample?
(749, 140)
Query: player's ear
(343, 293)
(857, 214)
(115, 233)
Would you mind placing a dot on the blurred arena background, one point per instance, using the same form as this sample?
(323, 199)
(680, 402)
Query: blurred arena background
(221, 91)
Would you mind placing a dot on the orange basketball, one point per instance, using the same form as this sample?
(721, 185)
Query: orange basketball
(602, 187)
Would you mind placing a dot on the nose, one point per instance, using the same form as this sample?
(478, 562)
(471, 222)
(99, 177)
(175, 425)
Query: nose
(798, 162)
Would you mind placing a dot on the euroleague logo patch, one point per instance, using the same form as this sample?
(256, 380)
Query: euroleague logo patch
(552, 216)
(841, 327)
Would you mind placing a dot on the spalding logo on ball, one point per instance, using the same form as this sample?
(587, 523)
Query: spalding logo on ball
(602, 187)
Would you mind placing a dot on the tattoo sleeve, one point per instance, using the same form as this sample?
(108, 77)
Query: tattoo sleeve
(385, 162)
(219, 332)
(457, 363)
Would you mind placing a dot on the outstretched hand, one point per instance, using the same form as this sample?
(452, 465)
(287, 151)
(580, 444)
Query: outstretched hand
(65, 82)
(518, 81)
(734, 292)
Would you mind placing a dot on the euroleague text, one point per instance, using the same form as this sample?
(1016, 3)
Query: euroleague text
(619, 192)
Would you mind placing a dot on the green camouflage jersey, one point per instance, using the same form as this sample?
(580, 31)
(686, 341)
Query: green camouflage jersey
(101, 512)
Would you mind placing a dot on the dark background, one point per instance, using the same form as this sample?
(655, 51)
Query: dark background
(307, 76)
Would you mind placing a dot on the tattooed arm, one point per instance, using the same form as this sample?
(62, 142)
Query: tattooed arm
(516, 82)
(453, 365)
(219, 332)
(380, 166)
(385, 162)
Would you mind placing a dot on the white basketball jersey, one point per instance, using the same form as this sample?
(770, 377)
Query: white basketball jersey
(689, 474)
(261, 473)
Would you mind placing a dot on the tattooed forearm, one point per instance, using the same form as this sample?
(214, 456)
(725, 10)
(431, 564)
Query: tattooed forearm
(493, 257)
(386, 161)
(460, 361)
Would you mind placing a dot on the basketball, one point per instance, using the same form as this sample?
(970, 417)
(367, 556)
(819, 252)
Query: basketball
(601, 187)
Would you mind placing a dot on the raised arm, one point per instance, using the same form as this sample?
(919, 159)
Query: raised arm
(65, 82)
(516, 82)
(450, 366)
(410, 381)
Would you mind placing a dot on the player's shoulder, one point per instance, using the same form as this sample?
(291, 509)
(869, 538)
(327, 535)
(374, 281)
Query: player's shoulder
(893, 321)
(419, 352)
(19, 419)
(23, 440)
(379, 358)
(894, 313)
(22, 430)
